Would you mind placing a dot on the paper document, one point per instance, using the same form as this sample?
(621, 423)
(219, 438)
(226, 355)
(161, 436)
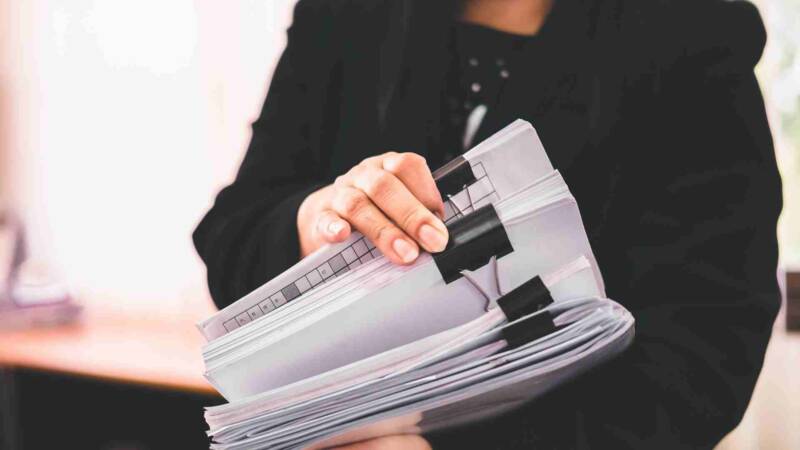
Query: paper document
(481, 176)
(346, 346)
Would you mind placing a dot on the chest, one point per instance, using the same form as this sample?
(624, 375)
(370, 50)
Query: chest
(551, 89)
(588, 115)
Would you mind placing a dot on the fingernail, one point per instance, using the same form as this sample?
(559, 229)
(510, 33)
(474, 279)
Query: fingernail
(335, 227)
(433, 239)
(405, 250)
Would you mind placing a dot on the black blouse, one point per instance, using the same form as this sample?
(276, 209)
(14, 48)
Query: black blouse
(494, 77)
(482, 61)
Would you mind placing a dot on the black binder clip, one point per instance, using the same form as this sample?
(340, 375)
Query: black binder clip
(454, 176)
(474, 239)
(529, 329)
(525, 300)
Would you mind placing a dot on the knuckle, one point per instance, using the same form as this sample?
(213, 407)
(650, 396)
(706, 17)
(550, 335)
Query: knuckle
(416, 159)
(407, 162)
(356, 171)
(378, 183)
(382, 232)
(413, 160)
(413, 218)
(349, 202)
(368, 160)
(373, 160)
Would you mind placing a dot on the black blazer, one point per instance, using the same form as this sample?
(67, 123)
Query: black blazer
(672, 165)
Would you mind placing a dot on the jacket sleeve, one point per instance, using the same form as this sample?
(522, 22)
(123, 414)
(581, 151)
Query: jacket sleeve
(694, 260)
(250, 233)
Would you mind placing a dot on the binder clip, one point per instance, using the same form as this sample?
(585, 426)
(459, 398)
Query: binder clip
(529, 329)
(454, 176)
(474, 240)
(525, 300)
(521, 303)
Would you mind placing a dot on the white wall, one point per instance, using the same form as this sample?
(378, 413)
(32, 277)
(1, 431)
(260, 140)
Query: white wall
(122, 119)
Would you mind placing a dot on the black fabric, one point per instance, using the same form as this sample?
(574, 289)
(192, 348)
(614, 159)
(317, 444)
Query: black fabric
(525, 299)
(482, 61)
(651, 111)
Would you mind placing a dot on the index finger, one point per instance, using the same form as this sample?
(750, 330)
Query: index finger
(413, 171)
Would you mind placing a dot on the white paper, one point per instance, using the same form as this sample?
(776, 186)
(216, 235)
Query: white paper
(495, 179)
(365, 348)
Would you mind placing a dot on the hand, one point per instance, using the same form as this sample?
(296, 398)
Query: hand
(391, 199)
(400, 442)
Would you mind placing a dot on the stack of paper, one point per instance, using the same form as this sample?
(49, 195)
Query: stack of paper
(503, 165)
(345, 345)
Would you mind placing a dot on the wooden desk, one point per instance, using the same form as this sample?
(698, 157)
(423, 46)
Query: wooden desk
(137, 379)
(155, 352)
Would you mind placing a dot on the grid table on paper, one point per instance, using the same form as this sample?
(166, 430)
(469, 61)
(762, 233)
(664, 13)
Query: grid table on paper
(481, 192)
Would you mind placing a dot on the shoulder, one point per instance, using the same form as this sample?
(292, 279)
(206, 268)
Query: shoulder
(711, 35)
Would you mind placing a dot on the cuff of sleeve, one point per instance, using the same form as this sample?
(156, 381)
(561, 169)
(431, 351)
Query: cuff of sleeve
(266, 247)
(281, 246)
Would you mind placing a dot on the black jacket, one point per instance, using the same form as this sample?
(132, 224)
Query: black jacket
(672, 165)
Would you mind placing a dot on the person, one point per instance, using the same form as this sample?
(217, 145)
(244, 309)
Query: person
(651, 111)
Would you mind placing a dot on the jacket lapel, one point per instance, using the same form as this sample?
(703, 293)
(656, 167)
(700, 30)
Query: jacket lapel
(414, 61)
(392, 55)
(413, 66)
(558, 62)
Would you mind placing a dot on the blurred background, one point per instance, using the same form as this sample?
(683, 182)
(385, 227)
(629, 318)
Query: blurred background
(120, 120)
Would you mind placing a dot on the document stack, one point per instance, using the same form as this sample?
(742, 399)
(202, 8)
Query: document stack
(346, 346)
